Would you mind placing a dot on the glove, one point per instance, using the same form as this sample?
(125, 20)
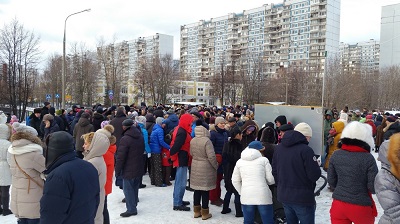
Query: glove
(219, 158)
(148, 155)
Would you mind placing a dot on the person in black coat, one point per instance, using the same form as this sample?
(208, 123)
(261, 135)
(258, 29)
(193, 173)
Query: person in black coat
(230, 155)
(129, 164)
(50, 125)
(35, 121)
(116, 122)
(98, 117)
(71, 192)
(45, 110)
(57, 119)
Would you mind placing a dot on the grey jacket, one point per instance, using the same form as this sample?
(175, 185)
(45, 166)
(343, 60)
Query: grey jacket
(387, 189)
(352, 174)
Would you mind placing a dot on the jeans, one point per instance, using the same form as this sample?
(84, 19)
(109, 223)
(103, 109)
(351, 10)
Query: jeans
(295, 213)
(180, 185)
(266, 213)
(228, 196)
(28, 221)
(131, 192)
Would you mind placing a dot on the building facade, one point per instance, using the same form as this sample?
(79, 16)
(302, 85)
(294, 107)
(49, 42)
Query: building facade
(267, 37)
(191, 91)
(363, 56)
(124, 59)
(390, 36)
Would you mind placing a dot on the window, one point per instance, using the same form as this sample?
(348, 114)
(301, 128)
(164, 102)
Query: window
(200, 89)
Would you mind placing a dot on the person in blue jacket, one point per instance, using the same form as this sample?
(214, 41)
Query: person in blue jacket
(296, 171)
(141, 122)
(171, 122)
(156, 143)
(71, 192)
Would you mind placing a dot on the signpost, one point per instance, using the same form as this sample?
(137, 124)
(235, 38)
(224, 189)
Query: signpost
(57, 96)
(111, 96)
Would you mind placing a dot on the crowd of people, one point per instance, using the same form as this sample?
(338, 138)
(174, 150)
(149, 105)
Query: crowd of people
(62, 164)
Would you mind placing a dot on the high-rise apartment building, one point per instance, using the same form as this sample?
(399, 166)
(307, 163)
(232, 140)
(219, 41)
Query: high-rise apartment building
(124, 59)
(390, 36)
(363, 56)
(293, 33)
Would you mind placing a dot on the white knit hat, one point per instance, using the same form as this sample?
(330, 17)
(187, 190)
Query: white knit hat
(23, 128)
(5, 131)
(359, 131)
(304, 128)
(141, 120)
(343, 118)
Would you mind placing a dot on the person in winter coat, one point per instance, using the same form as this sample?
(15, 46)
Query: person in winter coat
(98, 117)
(141, 122)
(5, 172)
(26, 164)
(129, 164)
(180, 156)
(95, 146)
(57, 119)
(337, 128)
(279, 121)
(45, 110)
(387, 184)
(204, 171)
(268, 139)
(218, 138)
(35, 121)
(51, 125)
(379, 134)
(392, 126)
(171, 122)
(75, 120)
(296, 183)
(109, 159)
(370, 121)
(352, 171)
(156, 143)
(250, 132)
(116, 122)
(230, 155)
(82, 127)
(251, 177)
(71, 192)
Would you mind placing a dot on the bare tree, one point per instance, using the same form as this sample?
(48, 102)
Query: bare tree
(19, 51)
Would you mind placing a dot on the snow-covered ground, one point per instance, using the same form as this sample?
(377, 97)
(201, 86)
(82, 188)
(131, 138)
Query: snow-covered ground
(155, 206)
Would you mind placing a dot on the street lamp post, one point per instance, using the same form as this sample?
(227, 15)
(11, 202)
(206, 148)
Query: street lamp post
(63, 61)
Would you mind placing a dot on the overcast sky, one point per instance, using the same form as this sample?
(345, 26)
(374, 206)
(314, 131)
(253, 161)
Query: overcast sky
(129, 19)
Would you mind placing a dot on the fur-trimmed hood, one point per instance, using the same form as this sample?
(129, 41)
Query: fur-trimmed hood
(18, 136)
(393, 155)
(24, 142)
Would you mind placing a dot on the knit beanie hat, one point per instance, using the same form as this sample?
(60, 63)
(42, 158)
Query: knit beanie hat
(304, 128)
(255, 145)
(23, 128)
(58, 112)
(141, 120)
(343, 118)
(127, 122)
(48, 117)
(219, 120)
(159, 120)
(104, 123)
(359, 134)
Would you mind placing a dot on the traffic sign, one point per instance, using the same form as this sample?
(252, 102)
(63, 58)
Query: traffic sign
(57, 95)
(111, 97)
(110, 92)
(48, 96)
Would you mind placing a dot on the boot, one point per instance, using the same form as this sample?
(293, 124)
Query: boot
(238, 208)
(197, 211)
(225, 207)
(205, 213)
(5, 200)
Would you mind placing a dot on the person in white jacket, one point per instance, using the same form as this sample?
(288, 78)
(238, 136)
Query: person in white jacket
(5, 172)
(251, 177)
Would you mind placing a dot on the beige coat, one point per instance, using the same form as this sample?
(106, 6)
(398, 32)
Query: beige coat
(25, 193)
(96, 150)
(204, 167)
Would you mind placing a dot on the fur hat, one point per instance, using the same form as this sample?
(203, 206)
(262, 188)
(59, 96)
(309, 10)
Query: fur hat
(219, 120)
(85, 115)
(23, 128)
(37, 110)
(304, 128)
(268, 135)
(393, 154)
(141, 120)
(5, 131)
(107, 130)
(159, 120)
(48, 117)
(359, 134)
